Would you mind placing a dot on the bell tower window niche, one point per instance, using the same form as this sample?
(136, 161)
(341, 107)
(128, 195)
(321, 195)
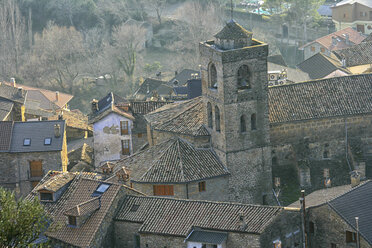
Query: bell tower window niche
(244, 77)
(212, 76)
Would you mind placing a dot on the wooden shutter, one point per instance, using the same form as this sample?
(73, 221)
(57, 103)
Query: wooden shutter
(36, 169)
(124, 127)
(163, 190)
(125, 147)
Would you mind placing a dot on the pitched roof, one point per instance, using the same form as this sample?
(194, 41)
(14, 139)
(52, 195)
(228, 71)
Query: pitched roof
(6, 107)
(84, 208)
(6, 128)
(173, 161)
(293, 75)
(233, 30)
(182, 77)
(320, 65)
(367, 3)
(181, 117)
(148, 86)
(62, 100)
(209, 237)
(329, 97)
(56, 182)
(145, 107)
(37, 132)
(11, 93)
(360, 54)
(326, 41)
(73, 119)
(169, 216)
(356, 203)
(276, 59)
(112, 109)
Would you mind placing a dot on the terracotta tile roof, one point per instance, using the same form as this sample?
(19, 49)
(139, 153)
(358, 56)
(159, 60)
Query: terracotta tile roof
(172, 161)
(11, 93)
(81, 195)
(145, 107)
(84, 208)
(6, 108)
(73, 119)
(6, 128)
(176, 216)
(338, 96)
(354, 37)
(56, 182)
(232, 30)
(181, 162)
(360, 54)
(367, 3)
(63, 98)
(112, 109)
(320, 66)
(181, 117)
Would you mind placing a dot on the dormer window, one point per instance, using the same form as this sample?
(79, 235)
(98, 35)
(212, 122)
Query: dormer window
(102, 188)
(72, 221)
(46, 196)
(27, 142)
(47, 141)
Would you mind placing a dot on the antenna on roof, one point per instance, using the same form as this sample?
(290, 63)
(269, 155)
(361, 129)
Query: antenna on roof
(231, 10)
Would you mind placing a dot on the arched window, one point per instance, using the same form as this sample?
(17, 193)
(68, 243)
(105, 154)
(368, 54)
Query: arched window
(243, 125)
(209, 112)
(253, 122)
(218, 118)
(212, 76)
(244, 77)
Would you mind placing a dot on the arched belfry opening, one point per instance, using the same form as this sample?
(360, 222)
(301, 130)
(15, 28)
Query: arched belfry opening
(243, 124)
(212, 76)
(244, 77)
(218, 118)
(210, 117)
(253, 122)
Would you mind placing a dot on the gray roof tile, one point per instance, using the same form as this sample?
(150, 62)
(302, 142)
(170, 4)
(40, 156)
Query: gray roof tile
(360, 54)
(6, 128)
(6, 107)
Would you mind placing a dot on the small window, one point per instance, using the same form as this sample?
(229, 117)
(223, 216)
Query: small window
(333, 245)
(244, 77)
(27, 142)
(47, 141)
(72, 220)
(312, 48)
(243, 126)
(102, 188)
(202, 186)
(213, 76)
(311, 227)
(134, 208)
(46, 196)
(264, 200)
(345, 15)
(322, 49)
(218, 119)
(253, 122)
(139, 135)
(274, 161)
(124, 127)
(210, 117)
(147, 245)
(125, 147)
(351, 237)
(325, 154)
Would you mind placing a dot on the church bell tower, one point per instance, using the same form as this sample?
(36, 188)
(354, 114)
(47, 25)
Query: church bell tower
(235, 95)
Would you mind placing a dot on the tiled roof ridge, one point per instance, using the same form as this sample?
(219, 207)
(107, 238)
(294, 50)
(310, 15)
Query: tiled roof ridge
(173, 140)
(83, 203)
(208, 202)
(25, 122)
(176, 104)
(179, 154)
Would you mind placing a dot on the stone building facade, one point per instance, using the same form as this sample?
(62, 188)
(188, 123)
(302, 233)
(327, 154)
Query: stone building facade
(234, 86)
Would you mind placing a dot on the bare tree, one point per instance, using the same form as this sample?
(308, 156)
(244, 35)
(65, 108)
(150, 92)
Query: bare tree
(56, 57)
(158, 6)
(12, 38)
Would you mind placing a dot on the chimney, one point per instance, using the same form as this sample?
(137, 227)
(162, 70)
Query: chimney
(94, 106)
(57, 130)
(57, 96)
(334, 40)
(242, 224)
(355, 178)
(20, 92)
(343, 63)
(12, 80)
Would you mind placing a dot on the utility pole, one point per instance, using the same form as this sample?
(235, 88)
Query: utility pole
(303, 218)
(357, 233)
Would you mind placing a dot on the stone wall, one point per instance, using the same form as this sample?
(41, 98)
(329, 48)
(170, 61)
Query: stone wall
(125, 234)
(285, 227)
(216, 189)
(156, 137)
(160, 241)
(15, 169)
(329, 228)
(138, 141)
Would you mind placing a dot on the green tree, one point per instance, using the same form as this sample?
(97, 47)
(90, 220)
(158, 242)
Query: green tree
(21, 222)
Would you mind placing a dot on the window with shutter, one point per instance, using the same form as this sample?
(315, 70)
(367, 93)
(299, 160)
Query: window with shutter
(36, 169)
(123, 127)
(163, 190)
(125, 147)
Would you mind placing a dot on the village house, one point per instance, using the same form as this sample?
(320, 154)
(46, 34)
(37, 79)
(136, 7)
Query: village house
(81, 207)
(28, 151)
(119, 128)
(353, 13)
(12, 103)
(178, 223)
(340, 39)
(331, 216)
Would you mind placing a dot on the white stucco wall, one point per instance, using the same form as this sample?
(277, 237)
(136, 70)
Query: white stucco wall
(107, 138)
